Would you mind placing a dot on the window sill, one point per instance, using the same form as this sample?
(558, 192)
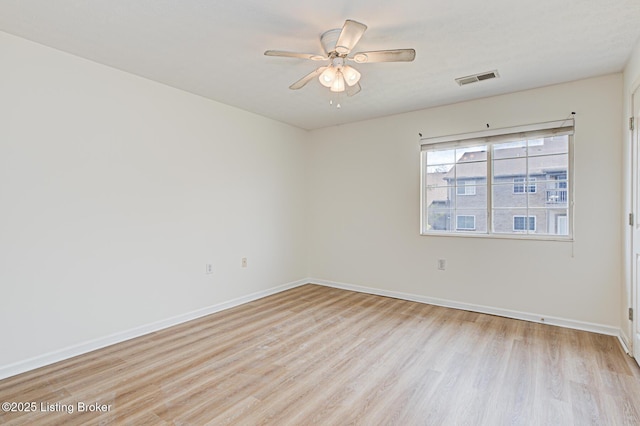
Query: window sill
(558, 238)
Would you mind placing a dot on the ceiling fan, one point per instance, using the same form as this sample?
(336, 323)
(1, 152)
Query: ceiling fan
(337, 45)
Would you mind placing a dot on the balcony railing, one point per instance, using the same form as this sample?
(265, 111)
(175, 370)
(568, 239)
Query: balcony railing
(556, 196)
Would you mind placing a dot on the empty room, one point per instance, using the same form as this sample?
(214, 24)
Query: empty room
(348, 212)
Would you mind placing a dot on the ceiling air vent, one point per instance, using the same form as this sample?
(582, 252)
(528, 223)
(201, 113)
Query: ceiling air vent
(477, 77)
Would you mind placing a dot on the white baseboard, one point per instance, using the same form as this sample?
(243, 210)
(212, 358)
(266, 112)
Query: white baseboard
(625, 342)
(101, 342)
(526, 316)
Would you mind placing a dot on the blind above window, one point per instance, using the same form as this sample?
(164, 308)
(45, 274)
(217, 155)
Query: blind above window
(506, 134)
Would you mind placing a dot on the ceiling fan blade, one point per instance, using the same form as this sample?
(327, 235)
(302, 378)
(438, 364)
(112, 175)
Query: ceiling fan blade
(349, 36)
(397, 55)
(307, 78)
(353, 90)
(284, 54)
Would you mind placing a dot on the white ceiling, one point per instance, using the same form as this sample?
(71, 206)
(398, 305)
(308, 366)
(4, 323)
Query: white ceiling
(214, 48)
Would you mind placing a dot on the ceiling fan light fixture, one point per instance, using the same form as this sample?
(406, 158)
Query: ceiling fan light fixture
(327, 77)
(351, 75)
(338, 84)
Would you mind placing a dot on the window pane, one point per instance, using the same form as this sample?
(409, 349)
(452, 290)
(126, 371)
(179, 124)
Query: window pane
(556, 190)
(561, 224)
(505, 196)
(477, 172)
(456, 194)
(435, 173)
(439, 220)
(438, 175)
(544, 168)
(542, 220)
(466, 187)
(546, 146)
(471, 154)
(510, 150)
(463, 218)
(466, 222)
(519, 185)
(505, 170)
(551, 221)
(524, 223)
(436, 157)
(511, 221)
(440, 197)
(471, 197)
(556, 196)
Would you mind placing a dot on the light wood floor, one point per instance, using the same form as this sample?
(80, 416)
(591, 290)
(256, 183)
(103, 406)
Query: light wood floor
(317, 355)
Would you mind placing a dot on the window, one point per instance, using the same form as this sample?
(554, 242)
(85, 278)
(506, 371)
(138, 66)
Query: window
(504, 182)
(466, 187)
(466, 223)
(557, 190)
(521, 186)
(524, 223)
(561, 225)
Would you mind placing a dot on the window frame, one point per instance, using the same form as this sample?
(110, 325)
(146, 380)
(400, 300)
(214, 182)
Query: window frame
(489, 138)
(527, 222)
(469, 187)
(473, 216)
(526, 185)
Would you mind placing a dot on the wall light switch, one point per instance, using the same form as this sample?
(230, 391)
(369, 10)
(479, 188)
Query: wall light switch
(208, 268)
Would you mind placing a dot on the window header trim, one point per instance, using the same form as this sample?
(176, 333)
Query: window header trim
(530, 131)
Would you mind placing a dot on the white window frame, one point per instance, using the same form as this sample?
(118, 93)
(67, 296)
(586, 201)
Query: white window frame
(469, 186)
(527, 185)
(489, 138)
(526, 223)
(466, 216)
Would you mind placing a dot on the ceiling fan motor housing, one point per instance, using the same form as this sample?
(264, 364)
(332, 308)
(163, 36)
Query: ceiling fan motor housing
(329, 40)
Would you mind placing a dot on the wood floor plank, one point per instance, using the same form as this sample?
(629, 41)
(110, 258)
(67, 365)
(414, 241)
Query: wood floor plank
(320, 355)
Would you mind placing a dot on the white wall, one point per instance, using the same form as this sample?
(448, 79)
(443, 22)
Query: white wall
(115, 192)
(364, 210)
(631, 82)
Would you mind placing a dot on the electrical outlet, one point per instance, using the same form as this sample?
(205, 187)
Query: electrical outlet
(208, 268)
(244, 262)
(442, 264)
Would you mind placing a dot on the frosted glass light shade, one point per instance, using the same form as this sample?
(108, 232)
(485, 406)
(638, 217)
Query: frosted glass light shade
(338, 83)
(351, 75)
(328, 76)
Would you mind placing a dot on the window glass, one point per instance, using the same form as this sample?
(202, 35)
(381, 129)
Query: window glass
(517, 187)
